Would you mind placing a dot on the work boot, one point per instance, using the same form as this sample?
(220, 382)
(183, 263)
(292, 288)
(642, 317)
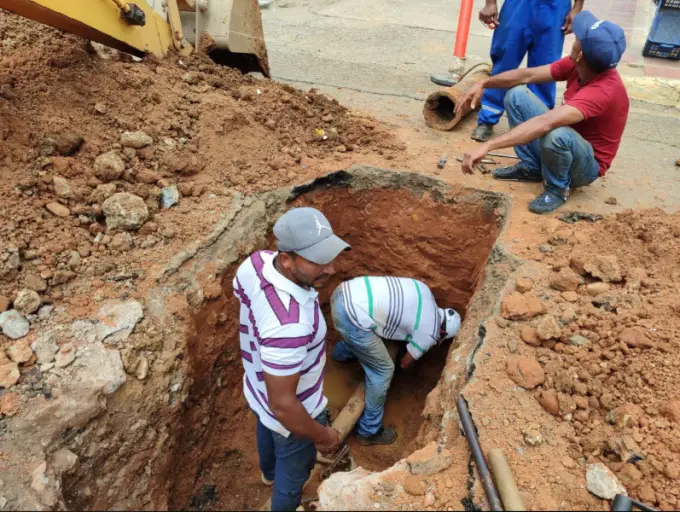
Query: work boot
(383, 436)
(482, 133)
(517, 172)
(447, 80)
(547, 202)
(266, 481)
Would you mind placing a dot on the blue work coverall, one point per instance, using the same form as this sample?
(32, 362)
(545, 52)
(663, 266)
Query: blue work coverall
(533, 26)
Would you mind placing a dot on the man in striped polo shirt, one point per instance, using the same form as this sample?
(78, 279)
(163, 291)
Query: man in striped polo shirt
(367, 309)
(283, 349)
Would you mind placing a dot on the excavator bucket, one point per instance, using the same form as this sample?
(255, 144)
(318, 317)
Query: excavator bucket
(230, 32)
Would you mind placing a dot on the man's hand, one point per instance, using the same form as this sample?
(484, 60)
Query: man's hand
(407, 361)
(489, 15)
(567, 28)
(472, 97)
(331, 443)
(472, 158)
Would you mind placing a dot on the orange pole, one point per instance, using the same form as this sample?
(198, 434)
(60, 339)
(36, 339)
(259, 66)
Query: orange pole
(463, 31)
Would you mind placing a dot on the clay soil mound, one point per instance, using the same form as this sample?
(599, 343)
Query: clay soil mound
(213, 133)
(611, 367)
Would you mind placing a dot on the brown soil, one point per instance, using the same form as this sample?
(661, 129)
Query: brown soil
(441, 243)
(618, 401)
(216, 133)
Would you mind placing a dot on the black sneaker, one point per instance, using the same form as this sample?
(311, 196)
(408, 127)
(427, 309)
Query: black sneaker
(517, 172)
(446, 80)
(547, 202)
(482, 133)
(384, 436)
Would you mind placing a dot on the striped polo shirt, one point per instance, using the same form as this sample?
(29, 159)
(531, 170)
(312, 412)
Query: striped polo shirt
(395, 308)
(282, 333)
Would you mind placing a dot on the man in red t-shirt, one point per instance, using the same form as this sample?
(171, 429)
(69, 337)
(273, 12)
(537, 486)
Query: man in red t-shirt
(573, 144)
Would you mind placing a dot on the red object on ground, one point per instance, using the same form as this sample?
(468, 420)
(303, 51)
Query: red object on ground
(463, 30)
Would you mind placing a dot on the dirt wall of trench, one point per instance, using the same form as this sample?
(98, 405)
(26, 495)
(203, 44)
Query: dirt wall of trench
(154, 443)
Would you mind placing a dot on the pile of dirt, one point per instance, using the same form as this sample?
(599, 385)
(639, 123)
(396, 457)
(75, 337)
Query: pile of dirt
(181, 137)
(608, 347)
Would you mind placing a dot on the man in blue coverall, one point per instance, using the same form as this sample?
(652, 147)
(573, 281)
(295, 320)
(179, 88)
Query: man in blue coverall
(534, 26)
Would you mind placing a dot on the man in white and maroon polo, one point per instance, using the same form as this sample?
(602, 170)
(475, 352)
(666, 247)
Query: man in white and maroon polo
(284, 350)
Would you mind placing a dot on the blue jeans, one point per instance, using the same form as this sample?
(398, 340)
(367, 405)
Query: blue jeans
(372, 353)
(526, 26)
(563, 158)
(288, 461)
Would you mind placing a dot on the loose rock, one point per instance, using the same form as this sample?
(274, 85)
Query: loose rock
(135, 140)
(611, 200)
(566, 280)
(62, 187)
(4, 303)
(516, 306)
(429, 460)
(578, 341)
(109, 166)
(595, 289)
(9, 404)
(13, 324)
(63, 461)
(169, 197)
(9, 375)
(125, 211)
(548, 400)
(20, 352)
(117, 320)
(415, 485)
(605, 268)
(65, 356)
(524, 285)
(533, 437)
(529, 336)
(45, 348)
(27, 301)
(58, 209)
(35, 283)
(602, 482)
(548, 328)
(636, 338)
(525, 372)
(148, 176)
(570, 296)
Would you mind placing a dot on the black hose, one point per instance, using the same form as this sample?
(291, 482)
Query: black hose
(471, 436)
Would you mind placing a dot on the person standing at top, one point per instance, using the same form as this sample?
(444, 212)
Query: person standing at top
(367, 310)
(283, 349)
(536, 27)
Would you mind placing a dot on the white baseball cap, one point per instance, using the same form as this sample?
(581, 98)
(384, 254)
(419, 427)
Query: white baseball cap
(452, 322)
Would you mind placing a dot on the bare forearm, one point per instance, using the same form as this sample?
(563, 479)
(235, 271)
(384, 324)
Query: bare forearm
(508, 79)
(295, 418)
(521, 134)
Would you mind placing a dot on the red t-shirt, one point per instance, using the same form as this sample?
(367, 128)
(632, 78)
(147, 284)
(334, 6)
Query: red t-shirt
(603, 102)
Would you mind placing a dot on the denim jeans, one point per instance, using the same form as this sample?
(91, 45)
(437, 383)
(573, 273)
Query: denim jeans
(372, 353)
(563, 158)
(288, 461)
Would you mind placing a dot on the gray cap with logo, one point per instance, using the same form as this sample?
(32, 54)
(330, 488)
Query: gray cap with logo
(307, 232)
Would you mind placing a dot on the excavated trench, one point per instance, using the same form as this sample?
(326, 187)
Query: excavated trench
(433, 233)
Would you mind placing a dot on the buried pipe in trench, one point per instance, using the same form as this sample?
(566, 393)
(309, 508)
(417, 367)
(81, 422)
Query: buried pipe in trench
(440, 106)
(476, 450)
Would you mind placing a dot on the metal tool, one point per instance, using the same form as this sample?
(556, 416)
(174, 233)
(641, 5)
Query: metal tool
(471, 436)
(344, 451)
(623, 503)
(504, 155)
(482, 161)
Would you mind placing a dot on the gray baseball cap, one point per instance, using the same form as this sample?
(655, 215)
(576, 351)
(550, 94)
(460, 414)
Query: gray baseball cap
(307, 232)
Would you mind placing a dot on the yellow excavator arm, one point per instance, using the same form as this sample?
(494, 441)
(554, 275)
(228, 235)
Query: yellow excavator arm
(234, 27)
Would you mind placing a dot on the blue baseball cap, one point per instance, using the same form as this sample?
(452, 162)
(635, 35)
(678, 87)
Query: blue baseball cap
(602, 42)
